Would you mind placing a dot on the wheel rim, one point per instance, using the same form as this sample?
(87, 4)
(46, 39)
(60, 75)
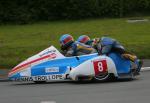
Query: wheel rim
(102, 76)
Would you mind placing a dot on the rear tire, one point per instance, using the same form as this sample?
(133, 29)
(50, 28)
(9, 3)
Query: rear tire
(106, 77)
(102, 77)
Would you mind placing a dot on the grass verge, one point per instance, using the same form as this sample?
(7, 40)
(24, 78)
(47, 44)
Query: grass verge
(17, 42)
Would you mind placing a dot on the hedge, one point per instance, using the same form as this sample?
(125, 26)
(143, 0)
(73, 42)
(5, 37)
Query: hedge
(26, 11)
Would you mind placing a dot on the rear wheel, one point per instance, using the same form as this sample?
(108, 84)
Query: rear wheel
(102, 77)
(105, 77)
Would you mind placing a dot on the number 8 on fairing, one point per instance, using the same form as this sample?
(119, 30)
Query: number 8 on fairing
(100, 66)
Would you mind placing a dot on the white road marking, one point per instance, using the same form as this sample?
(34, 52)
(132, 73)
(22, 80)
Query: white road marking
(145, 68)
(48, 102)
(137, 20)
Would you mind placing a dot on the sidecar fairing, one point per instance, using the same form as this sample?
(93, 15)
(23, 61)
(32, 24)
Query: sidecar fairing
(57, 67)
(51, 65)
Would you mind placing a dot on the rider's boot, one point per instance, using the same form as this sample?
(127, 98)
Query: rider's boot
(139, 64)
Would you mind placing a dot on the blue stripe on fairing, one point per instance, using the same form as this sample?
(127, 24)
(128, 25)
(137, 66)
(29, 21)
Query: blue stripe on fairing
(61, 63)
(15, 76)
(122, 65)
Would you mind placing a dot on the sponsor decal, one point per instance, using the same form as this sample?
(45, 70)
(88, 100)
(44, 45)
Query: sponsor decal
(40, 78)
(23, 79)
(100, 66)
(47, 52)
(52, 69)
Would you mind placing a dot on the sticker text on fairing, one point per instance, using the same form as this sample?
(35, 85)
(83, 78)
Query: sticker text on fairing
(41, 78)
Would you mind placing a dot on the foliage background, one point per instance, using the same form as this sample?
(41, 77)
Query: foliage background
(28, 11)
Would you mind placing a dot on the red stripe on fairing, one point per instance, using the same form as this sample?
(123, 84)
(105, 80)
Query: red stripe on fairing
(33, 61)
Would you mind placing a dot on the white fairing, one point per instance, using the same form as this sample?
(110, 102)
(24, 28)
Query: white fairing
(87, 68)
(26, 72)
(49, 51)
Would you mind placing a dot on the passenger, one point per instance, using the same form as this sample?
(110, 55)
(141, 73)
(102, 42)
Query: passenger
(108, 45)
(70, 47)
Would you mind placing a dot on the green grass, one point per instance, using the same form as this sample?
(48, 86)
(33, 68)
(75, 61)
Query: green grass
(17, 42)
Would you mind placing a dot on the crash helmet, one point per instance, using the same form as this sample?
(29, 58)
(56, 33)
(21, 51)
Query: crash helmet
(83, 39)
(65, 41)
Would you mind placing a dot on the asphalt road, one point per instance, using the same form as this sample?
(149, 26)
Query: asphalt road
(136, 91)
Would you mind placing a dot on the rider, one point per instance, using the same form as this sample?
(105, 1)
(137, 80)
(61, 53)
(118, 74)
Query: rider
(111, 45)
(86, 40)
(74, 48)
